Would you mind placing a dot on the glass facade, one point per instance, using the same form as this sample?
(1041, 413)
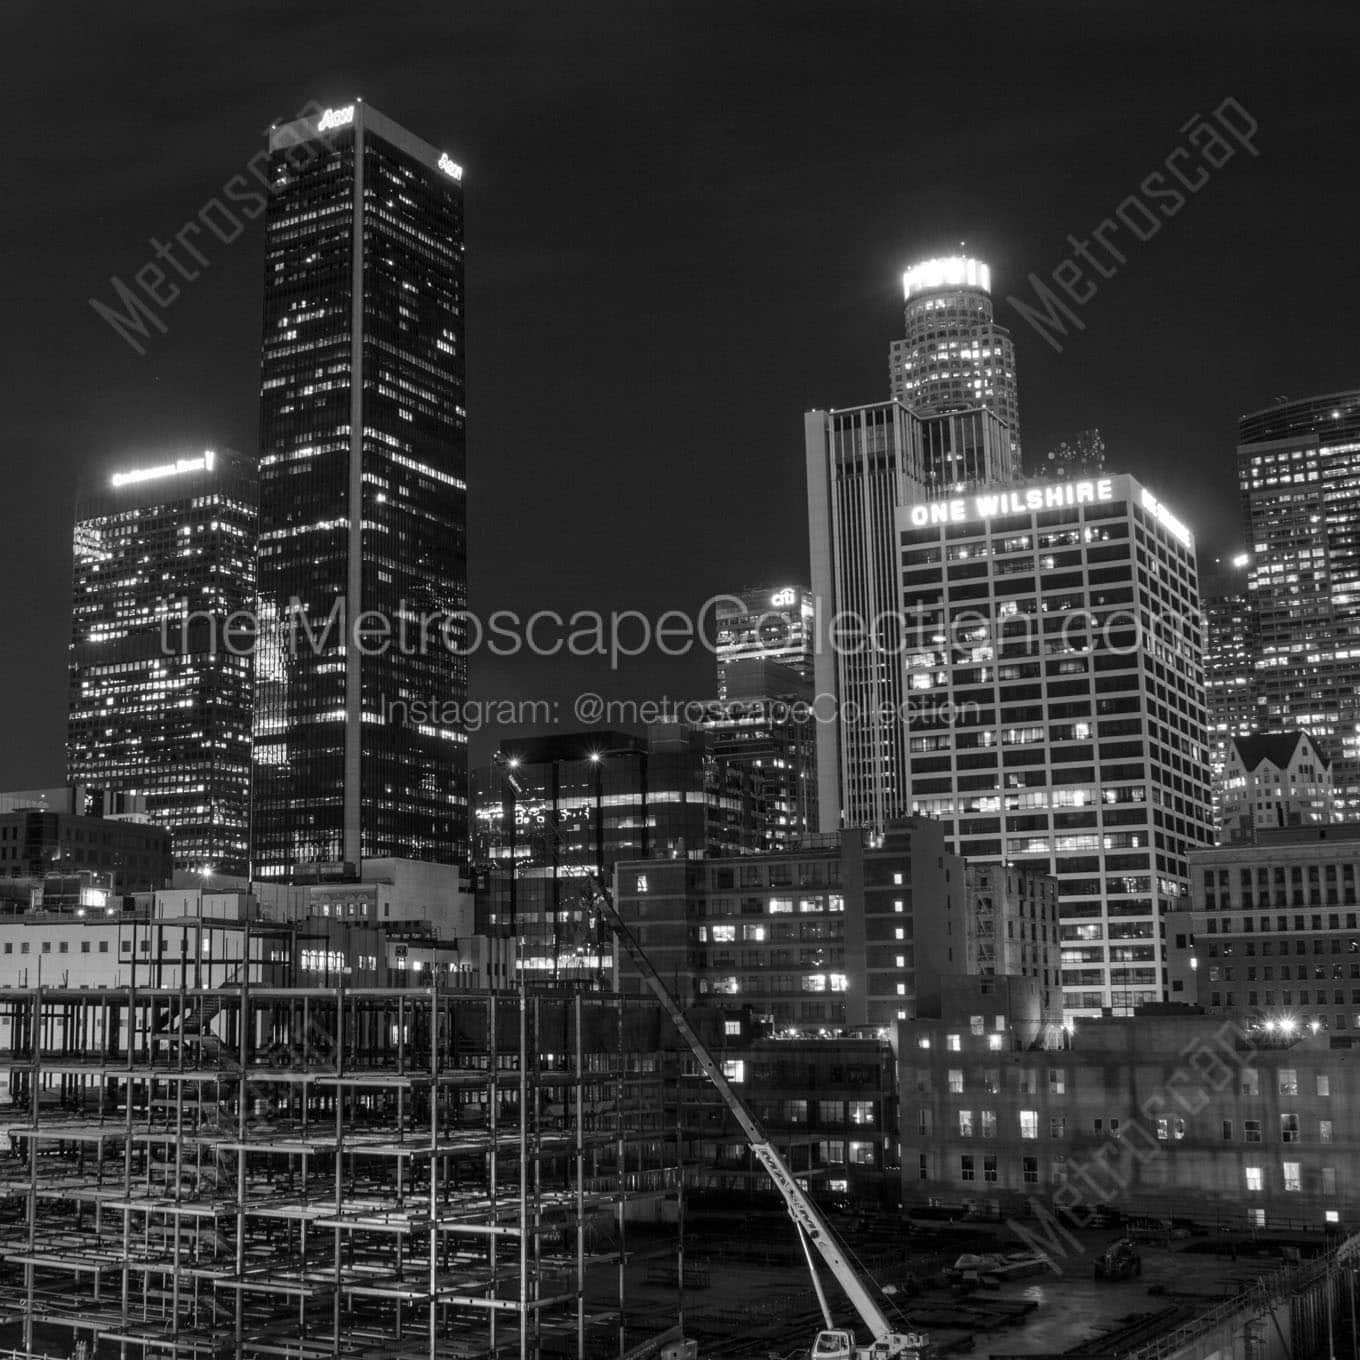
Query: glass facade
(766, 623)
(160, 660)
(1230, 645)
(953, 355)
(583, 802)
(363, 556)
(1299, 471)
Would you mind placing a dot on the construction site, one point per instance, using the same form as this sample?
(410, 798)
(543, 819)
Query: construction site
(246, 1171)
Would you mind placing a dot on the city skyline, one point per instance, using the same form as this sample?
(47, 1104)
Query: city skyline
(657, 652)
(1170, 423)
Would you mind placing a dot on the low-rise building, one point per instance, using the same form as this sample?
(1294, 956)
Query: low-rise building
(1171, 1112)
(828, 1104)
(1274, 779)
(846, 929)
(1274, 928)
(57, 835)
(843, 929)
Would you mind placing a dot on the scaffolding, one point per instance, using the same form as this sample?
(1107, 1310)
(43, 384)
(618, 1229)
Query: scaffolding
(309, 1172)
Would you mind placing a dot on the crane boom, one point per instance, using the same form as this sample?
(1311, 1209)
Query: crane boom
(831, 1344)
(800, 1205)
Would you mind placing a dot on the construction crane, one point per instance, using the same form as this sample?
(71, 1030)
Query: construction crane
(832, 1342)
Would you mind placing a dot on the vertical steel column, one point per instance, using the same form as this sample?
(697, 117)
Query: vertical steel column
(579, 1072)
(523, 1172)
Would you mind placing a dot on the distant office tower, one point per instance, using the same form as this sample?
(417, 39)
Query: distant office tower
(765, 623)
(862, 464)
(853, 929)
(363, 500)
(1055, 671)
(1299, 468)
(1274, 779)
(562, 806)
(1230, 647)
(953, 355)
(160, 666)
(766, 724)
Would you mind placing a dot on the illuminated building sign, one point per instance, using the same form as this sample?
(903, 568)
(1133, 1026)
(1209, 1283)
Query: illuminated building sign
(450, 167)
(985, 505)
(1165, 518)
(951, 271)
(782, 599)
(336, 118)
(204, 463)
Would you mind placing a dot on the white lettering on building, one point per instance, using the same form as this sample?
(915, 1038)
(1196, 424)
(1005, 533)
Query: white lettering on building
(986, 505)
(336, 118)
(1166, 519)
(151, 474)
(450, 167)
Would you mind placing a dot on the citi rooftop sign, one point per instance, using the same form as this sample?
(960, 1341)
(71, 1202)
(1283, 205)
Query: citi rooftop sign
(986, 505)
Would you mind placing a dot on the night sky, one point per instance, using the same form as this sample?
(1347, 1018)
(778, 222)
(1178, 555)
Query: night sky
(686, 224)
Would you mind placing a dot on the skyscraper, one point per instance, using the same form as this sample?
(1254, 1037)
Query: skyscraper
(862, 464)
(160, 664)
(1299, 469)
(363, 499)
(765, 623)
(1230, 646)
(953, 356)
(1054, 669)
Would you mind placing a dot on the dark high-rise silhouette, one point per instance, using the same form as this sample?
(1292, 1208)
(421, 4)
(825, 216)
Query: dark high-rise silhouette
(363, 500)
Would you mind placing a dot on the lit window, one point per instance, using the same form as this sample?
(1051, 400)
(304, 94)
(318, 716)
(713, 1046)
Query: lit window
(1254, 1178)
(955, 1080)
(1293, 1180)
(954, 1043)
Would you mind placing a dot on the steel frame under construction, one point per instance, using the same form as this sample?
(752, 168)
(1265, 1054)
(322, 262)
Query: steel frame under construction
(313, 1172)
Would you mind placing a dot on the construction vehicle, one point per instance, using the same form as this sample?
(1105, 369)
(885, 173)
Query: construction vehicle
(832, 1342)
(1119, 1261)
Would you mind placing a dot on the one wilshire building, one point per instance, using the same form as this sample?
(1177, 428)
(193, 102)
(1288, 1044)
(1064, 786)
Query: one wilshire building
(160, 684)
(363, 498)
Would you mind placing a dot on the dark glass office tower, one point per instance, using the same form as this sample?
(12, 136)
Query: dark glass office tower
(160, 664)
(363, 507)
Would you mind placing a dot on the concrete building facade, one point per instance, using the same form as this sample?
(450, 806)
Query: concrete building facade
(1054, 668)
(1274, 934)
(850, 930)
(1179, 1114)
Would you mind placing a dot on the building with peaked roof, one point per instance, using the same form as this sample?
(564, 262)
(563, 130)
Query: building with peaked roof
(1274, 779)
